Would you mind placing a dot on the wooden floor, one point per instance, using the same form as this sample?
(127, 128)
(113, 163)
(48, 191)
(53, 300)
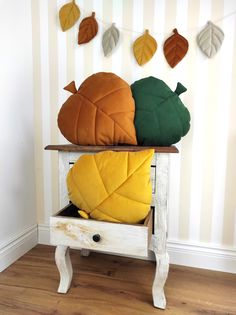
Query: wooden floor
(110, 285)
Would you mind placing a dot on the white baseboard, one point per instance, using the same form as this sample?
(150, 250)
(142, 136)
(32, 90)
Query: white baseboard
(17, 246)
(44, 234)
(198, 255)
(202, 255)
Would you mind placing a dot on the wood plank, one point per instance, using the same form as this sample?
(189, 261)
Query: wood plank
(118, 148)
(104, 285)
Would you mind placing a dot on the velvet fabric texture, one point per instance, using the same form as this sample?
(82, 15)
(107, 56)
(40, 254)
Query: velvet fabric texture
(161, 118)
(88, 29)
(112, 186)
(101, 112)
(175, 48)
(210, 39)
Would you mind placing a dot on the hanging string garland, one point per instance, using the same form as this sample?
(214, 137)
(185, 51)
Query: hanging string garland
(175, 48)
(210, 39)
(110, 39)
(144, 48)
(88, 29)
(68, 15)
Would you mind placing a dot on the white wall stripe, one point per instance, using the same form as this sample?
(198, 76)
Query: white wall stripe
(138, 26)
(79, 50)
(127, 60)
(179, 75)
(223, 105)
(62, 71)
(97, 46)
(200, 91)
(117, 7)
(45, 86)
(148, 21)
(159, 27)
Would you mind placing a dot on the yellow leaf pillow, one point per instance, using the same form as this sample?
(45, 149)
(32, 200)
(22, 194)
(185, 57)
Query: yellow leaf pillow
(112, 186)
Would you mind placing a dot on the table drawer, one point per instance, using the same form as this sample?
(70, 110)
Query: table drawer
(66, 228)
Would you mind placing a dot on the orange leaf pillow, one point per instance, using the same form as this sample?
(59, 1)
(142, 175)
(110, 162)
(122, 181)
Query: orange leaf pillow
(101, 112)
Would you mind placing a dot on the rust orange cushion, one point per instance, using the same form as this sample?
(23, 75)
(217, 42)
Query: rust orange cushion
(101, 112)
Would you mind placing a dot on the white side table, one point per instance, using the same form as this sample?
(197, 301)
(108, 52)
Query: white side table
(68, 230)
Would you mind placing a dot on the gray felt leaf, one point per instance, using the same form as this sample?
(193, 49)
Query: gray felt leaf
(110, 39)
(210, 39)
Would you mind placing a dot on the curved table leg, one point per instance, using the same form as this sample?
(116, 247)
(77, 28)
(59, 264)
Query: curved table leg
(63, 262)
(162, 269)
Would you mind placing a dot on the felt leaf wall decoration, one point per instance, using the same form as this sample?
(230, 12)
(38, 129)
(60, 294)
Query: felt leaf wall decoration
(144, 48)
(110, 39)
(210, 39)
(68, 15)
(88, 29)
(175, 48)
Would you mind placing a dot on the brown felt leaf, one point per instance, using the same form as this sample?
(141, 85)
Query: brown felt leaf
(88, 29)
(144, 48)
(68, 15)
(175, 48)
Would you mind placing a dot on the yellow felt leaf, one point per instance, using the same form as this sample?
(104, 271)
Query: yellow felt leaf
(68, 15)
(144, 48)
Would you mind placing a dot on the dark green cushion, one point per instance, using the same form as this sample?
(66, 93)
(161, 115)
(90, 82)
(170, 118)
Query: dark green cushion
(161, 118)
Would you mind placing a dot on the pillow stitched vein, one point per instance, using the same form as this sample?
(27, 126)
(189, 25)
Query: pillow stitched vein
(121, 183)
(99, 109)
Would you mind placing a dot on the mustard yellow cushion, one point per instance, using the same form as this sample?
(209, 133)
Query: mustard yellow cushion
(112, 186)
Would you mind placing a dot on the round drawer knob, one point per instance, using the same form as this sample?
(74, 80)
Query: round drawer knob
(96, 238)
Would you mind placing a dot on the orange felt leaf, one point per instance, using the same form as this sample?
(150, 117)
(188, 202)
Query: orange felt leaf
(88, 29)
(175, 48)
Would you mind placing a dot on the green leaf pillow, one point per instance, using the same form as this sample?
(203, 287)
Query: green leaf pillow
(161, 118)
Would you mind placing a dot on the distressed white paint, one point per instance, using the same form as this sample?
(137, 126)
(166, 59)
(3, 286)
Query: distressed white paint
(63, 262)
(84, 252)
(78, 233)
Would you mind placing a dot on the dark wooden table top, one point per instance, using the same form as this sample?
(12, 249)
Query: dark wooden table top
(91, 148)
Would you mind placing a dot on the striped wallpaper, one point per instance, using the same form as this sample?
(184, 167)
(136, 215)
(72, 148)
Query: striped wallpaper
(202, 206)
